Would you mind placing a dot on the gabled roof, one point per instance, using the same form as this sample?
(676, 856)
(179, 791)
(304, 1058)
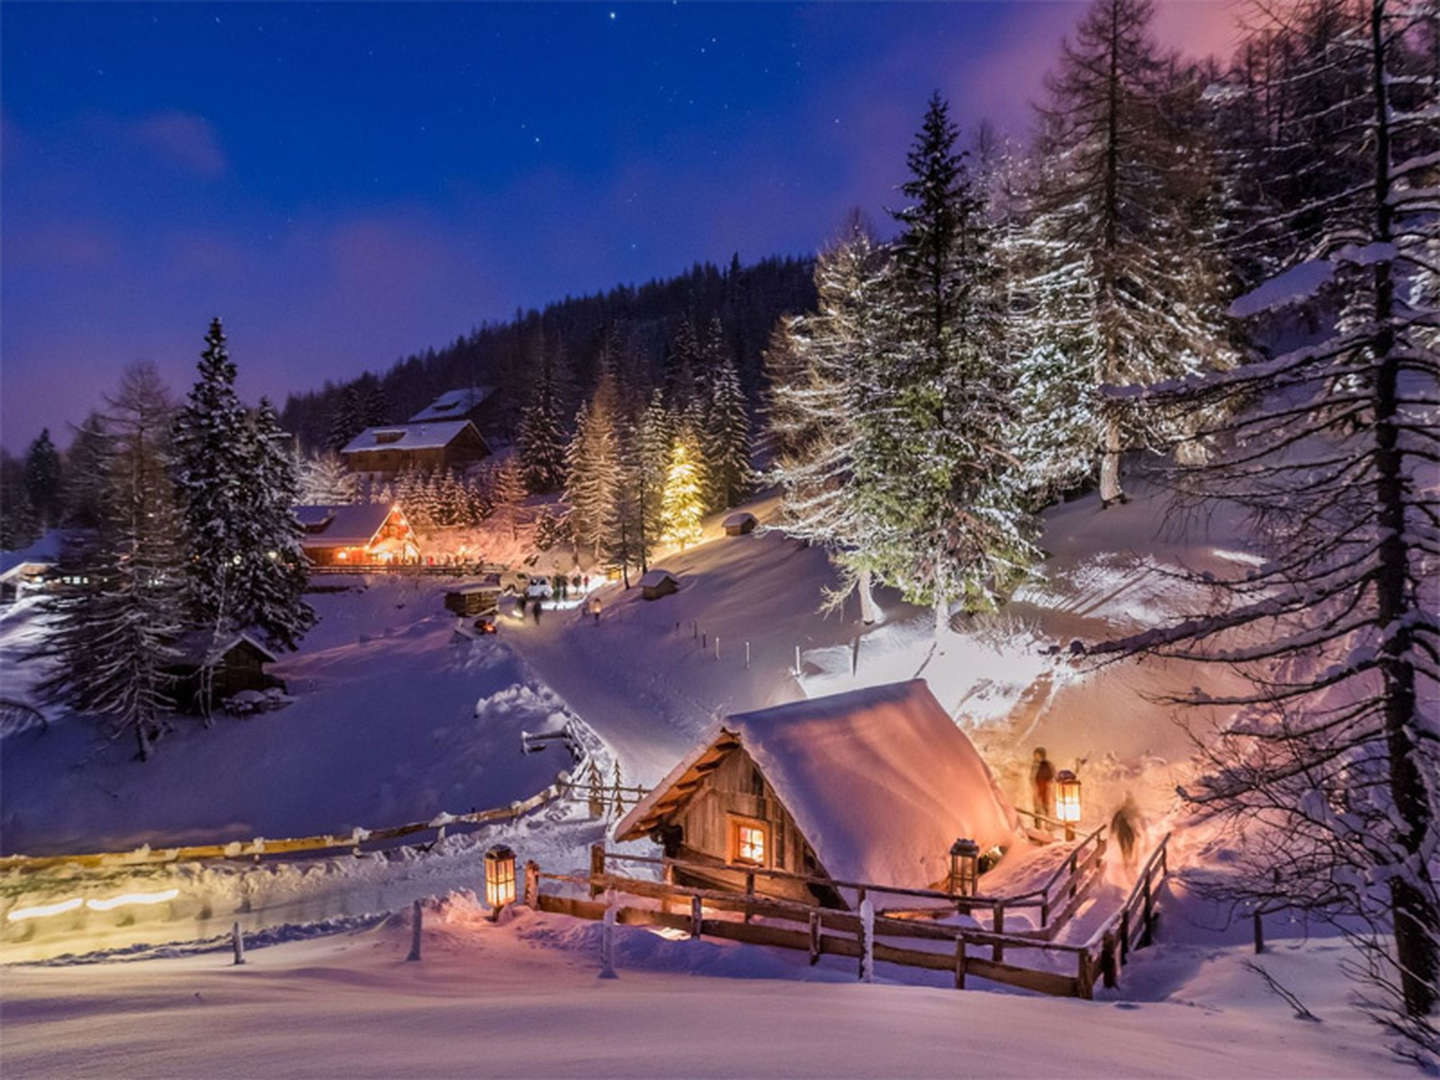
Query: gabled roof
(657, 576)
(198, 647)
(341, 526)
(43, 552)
(452, 404)
(739, 517)
(408, 437)
(880, 781)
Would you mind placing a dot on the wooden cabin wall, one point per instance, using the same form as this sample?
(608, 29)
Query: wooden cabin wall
(736, 786)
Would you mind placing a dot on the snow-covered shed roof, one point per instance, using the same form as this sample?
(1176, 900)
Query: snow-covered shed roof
(410, 436)
(657, 576)
(739, 517)
(43, 552)
(880, 781)
(453, 403)
(341, 526)
(198, 647)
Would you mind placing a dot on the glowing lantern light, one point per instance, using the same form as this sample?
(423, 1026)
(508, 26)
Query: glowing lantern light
(499, 877)
(1067, 800)
(964, 867)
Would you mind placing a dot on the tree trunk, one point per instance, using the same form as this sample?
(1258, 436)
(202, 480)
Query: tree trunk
(1415, 919)
(942, 617)
(868, 611)
(1110, 490)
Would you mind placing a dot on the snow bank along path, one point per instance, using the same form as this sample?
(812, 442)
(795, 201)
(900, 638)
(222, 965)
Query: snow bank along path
(522, 999)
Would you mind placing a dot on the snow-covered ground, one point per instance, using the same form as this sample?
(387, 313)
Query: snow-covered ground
(522, 998)
(392, 722)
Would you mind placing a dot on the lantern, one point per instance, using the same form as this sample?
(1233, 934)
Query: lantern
(964, 867)
(499, 877)
(1067, 801)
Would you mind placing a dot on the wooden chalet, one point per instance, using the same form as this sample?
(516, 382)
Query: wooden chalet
(363, 534)
(739, 523)
(234, 663)
(657, 583)
(871, 786)
(473, 403)
(449, 445)
(30, 569)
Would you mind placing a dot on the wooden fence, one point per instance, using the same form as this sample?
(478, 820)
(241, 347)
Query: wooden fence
(901, 939)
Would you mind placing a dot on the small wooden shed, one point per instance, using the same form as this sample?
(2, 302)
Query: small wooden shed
(234, 664)
(657, 583)
(739, 523)
(870, 786)
(481, 598)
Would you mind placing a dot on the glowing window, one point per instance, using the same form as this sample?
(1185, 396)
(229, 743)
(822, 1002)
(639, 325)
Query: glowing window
(751, 842)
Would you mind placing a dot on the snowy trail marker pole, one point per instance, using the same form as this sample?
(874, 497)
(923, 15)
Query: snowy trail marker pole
(237, 942)
(607, 938)
(797, 661)
(416, 918)
(747, 656)
(867, 942)
(717, 646)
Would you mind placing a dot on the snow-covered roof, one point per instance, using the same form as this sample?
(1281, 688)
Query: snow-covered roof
(407, 437)
(657, 576)
(43, 552)
(880, 781)
(452, 403)
(341, 526)
(740, 517)
(193, 646)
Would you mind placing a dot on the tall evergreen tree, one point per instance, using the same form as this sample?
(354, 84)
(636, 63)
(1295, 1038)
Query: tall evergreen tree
(111, 646)
(1127, 218)
(727, 438)
(85, 463)
(650, 460)
(348, 418)
(507, 495)
(592, 466)
(19, 523)
(682, 501)
(324, 481)
(43, 479)
(542, 436)
(933, 466)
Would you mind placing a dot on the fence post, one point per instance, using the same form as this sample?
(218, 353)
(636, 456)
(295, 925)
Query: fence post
(797, 661)
(1125, 934)
(749, 892)
(1149, 913)
(532, 884)
(607, 938)
(597, 868)
(997, 950)
(867, 941)
(1084, 977)
(697, 914)
(416, 918)
(959, 962)
(1107, 959)
(717, 646)
(1045, 912)
(703, 639)
(1074, 885)
(747, 656)
(1259, 932)
(237, 941)
(814, 937)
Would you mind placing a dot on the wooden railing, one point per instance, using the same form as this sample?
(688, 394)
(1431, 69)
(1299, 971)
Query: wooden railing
(817, 930)
(1133, 926)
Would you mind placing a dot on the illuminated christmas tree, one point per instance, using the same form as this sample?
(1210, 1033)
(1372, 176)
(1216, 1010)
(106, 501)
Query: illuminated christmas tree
(683, 500)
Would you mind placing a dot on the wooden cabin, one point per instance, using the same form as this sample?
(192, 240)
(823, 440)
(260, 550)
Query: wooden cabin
(473, 403)
(481, 598)
(363, 534)
(739, 523)
(657, 583)
(235, 663)
(871, 786)
(31, 569)
(450, 446)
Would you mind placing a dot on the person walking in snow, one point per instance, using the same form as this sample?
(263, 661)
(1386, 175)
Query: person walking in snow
(595, 608)
(1042, 783)
(536, 610)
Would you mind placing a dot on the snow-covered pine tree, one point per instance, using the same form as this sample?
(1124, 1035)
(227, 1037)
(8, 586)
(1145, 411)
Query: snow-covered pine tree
(682, 501)
(682, 362)
(85, 464)
(1328, 765)
(507, 495)
(324, 481)
(19, 523)
(270, 571)
(479, 504)
(542, 435)
(814, 364)
(213, 459)
(374, 409)
(651, 441)
(592, 466)
(43, 478)
(111, 649)
(933, 469)
(727, 437)
(1126, 220)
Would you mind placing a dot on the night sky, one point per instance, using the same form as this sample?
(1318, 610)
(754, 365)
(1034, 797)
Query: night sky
(347, 184)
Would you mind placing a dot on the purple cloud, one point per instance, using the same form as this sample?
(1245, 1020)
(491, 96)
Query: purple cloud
(182, 139)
